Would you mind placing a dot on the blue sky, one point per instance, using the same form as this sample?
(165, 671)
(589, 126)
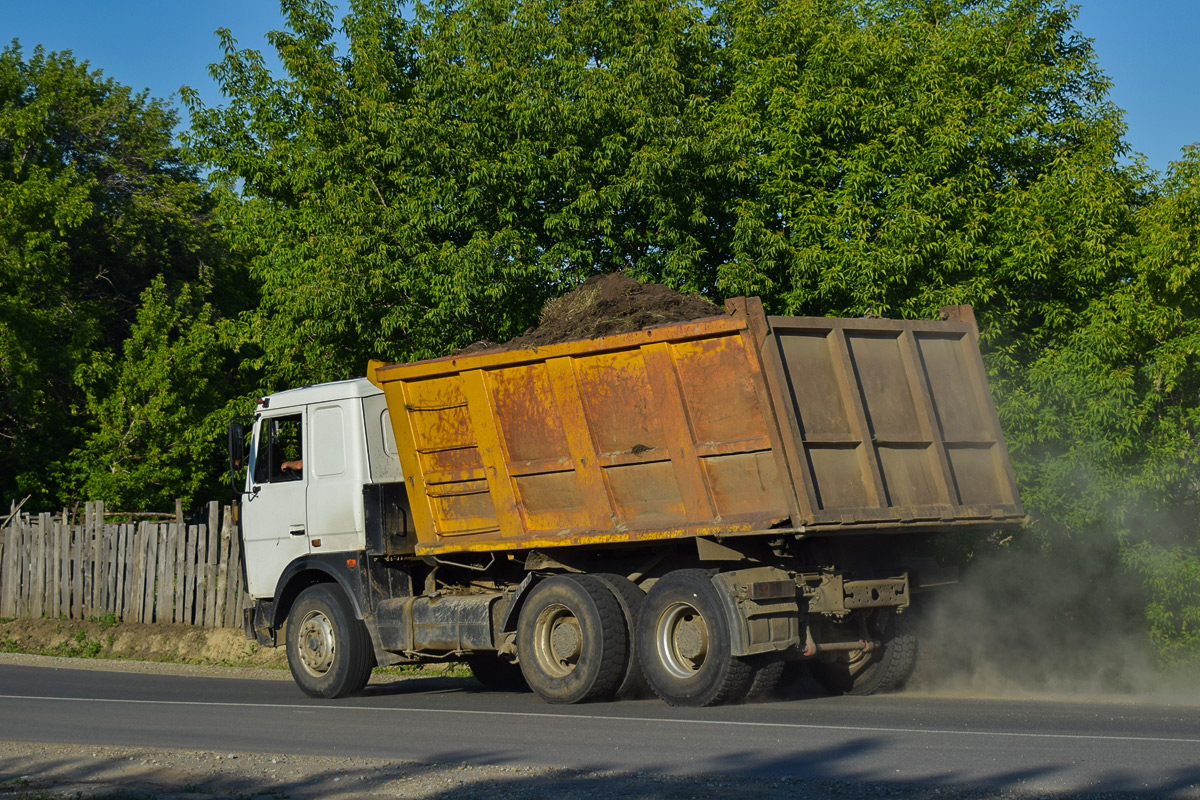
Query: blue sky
(1149, 48)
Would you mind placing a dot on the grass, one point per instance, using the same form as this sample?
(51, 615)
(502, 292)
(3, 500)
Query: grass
(78, 646)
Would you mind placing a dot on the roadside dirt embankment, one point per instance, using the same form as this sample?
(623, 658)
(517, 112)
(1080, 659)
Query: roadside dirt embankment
(98, 639)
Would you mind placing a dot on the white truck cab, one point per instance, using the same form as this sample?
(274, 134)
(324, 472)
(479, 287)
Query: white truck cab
(314, 449)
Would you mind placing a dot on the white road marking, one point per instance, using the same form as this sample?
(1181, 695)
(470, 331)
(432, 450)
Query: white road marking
(612, 718)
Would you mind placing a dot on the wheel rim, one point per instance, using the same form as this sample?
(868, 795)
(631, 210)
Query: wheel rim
(682, 639)
(558, 640)
(317, 644)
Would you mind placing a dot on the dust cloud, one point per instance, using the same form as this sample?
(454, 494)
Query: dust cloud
(1023, 622)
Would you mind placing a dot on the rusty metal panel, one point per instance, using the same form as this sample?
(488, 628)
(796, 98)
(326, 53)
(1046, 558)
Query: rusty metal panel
(725, 425)
(888, 423)
(658, 434)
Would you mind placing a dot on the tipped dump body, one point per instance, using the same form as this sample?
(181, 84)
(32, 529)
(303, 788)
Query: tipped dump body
(726, 425)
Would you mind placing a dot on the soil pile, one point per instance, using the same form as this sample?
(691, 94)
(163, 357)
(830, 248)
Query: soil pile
(609, 304)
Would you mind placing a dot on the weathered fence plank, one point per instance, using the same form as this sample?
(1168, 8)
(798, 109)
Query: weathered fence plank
(27, 556)
(233, 605)
(213, 535)
(189, 592)
(4, 537)
(9, 576)
(222, 576)
(153, 537)
(96, 541)
(138, 571)
(37, 561)
(64, 570)
(201, 563)
(112, 537)
(118, 600)
(161, 607)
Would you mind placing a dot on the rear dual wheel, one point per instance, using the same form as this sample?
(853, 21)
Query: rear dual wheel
(882, 669)
(572, 640)
(595, 637)
(685, 644)
(630, 598)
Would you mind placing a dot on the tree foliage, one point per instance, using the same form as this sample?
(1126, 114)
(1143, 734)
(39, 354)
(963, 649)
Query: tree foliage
(95, 203)
(438, 182)
(1106, 423)
(895, 156)
(160, 405)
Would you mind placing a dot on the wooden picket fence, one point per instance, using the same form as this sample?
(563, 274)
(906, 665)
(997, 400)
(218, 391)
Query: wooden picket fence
(138, 571)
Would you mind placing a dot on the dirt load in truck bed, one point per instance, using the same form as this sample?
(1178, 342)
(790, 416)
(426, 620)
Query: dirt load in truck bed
(604, 305)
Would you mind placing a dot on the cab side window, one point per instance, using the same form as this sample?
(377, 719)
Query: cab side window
(280, 450)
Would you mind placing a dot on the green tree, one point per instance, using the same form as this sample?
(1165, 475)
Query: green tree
(1106, 424)
(159, 405)
(447, 174)
(96, 203)
(894, 156)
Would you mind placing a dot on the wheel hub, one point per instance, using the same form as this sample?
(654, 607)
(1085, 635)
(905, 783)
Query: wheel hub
(558, 640)
(683, 640)
(564, 641)
(317, 644)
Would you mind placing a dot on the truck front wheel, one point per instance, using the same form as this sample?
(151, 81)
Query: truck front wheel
(685, 645)
(571, 640)
(328, 648)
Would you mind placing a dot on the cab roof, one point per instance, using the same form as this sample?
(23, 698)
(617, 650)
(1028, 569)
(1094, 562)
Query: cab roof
(320, 393)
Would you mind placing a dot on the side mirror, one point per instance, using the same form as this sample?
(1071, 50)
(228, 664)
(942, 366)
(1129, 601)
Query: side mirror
(237, 454)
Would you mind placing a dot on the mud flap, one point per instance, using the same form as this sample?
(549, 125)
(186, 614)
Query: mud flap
(762, 610)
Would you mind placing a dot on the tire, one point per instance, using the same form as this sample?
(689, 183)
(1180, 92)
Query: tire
(496, 674)
(328, 649)
(630, 597)
(768, 672)
(685, 646)
(884, 669)
(572, 640)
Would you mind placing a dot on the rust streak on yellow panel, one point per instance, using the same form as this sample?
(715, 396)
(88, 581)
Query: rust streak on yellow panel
(579, 439)
(594, 538)
(673, 414)
(868, 464)
(410, 462)
(926, 416)
(491, 451)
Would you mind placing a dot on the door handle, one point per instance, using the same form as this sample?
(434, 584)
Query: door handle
(296, 530)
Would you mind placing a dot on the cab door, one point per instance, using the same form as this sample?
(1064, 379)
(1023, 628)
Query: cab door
(274, 521)
(335, 478)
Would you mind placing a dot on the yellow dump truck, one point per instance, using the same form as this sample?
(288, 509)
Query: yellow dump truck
(686, 508)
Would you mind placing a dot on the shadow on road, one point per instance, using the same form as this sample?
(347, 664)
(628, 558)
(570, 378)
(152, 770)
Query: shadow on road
(166, 775)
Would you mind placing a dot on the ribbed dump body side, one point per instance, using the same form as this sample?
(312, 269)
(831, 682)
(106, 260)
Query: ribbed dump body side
(888, 423)
(722, 426)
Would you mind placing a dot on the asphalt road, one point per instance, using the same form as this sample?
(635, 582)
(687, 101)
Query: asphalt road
(1139, 749)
